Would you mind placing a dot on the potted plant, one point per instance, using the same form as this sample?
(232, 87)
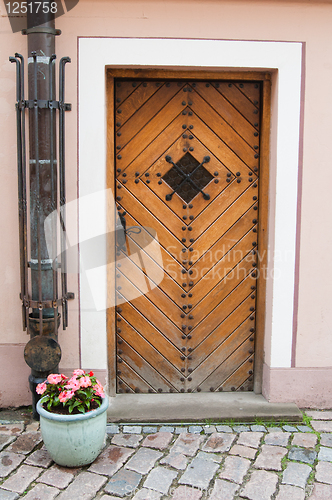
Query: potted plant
(73, 417)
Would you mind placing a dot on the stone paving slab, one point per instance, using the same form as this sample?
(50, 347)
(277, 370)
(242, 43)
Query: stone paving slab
(123, 483)
(197, 461)
(199, 473)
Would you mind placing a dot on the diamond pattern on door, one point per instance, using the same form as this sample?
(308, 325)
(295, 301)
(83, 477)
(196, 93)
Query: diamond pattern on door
(187, 167)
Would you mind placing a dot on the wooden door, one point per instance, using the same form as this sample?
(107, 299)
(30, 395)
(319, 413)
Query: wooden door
(187, 165)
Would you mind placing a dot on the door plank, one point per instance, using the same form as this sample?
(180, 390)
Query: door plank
(155, 317)
(149, 111)
(223, 245)
(123, 89)
(146, 371)
(146, 219)
(217, 357)
(228, 113)
(251, 90)
(225, 133)
(169, 265)
(239, 377)
(240, 295)
(220, 292)
(218, 377)
(233, 94)
(210, 339)
(223, 267)
(150, 355)
(219, 228)
(133, 102)
(129, 272)
(153, 128)
(132, 379)
(225, 154)
(147, 331)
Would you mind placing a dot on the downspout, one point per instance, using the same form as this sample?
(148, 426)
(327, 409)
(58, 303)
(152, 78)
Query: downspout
(43, 179)
(38, 186)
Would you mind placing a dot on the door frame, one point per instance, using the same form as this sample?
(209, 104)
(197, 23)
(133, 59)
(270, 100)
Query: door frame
(259, 76)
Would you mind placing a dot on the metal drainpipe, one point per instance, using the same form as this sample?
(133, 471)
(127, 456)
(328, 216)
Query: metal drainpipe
(41, 40)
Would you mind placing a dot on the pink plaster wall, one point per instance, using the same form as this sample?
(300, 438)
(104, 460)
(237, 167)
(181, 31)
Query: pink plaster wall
(308, 22)
(307, 387)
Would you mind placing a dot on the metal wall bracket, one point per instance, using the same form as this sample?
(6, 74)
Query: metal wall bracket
(39, 265)
(40, 29)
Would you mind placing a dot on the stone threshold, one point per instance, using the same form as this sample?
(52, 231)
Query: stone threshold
(216, 407)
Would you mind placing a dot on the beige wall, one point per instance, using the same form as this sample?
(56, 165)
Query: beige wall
(308, 22)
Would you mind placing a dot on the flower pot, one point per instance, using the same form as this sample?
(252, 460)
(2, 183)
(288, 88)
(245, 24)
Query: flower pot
(74, 440)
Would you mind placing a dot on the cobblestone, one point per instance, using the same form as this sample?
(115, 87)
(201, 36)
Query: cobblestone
(251, 439)
(219, 442)
(319, 415)
(304, 428)
(321, 492)
(287, 492)
(195, 429)
(223, 490)
(277, 438)
(57, 476)
(325, 454)
(149, 430)
(110, 460)
(123, 483)
(261, 486)
(160, 479)
(176, 460)
(235, 468)
(143, 460)
(84, 487)
(243, 451)
(296, 474)
(302, 455)
(224, 428)
(42, 492)
(187, 444)
(25, 442)
(40, 458)
(306, 440)
(8, 462)
(322, 425)
(5, 440)
(166, 461)
(159, 440)
(270, 457)
(132, 429)
(199, 473)
(19, 481)
(326, 439)
(8, 495)
(144, 494)
(131, 440)
(324, 472)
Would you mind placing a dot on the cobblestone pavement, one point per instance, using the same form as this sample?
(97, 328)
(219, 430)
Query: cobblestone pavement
(220, 461)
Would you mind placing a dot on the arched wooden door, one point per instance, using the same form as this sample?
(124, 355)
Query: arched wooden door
(187, 168)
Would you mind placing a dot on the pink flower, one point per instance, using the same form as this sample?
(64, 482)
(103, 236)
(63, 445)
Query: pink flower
(85, 382)
(73, 383)
(65, 395)
(63, 376)
(54, 378)
(78, 372)
(99, 390)
(41, 388)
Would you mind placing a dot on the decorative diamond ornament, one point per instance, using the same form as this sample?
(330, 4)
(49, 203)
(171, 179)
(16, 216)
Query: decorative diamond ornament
(187, 177)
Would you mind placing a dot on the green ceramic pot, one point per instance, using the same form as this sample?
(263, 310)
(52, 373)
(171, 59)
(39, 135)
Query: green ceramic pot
(74, 440)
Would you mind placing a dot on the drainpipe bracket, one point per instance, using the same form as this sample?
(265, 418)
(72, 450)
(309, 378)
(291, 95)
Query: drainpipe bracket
(40, 29)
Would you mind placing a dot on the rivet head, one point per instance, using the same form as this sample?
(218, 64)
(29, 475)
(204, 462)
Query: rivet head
(238, 174)
(198, 389)
(183, 369)
(184, 126)
(190, 205)
(183, 315)
(211, 389)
